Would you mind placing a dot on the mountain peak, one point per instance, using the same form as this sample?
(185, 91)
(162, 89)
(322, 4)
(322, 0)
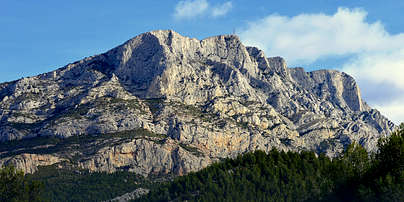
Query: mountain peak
(174, 104)
(147, 64)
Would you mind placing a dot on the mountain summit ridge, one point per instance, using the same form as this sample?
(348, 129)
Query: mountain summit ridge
(177, 104)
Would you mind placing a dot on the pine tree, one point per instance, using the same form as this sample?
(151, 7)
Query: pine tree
(15, 187)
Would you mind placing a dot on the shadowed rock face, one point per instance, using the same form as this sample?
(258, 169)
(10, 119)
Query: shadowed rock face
(332, 85)
(197, 100)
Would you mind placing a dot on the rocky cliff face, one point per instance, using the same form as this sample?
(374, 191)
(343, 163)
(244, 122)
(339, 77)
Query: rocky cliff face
(162, 103)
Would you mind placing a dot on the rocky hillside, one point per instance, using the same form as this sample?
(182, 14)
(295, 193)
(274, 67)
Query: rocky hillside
(162, 103)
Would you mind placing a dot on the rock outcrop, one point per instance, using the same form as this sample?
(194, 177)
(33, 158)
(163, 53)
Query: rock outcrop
(131, 195)
(171, 104)
(29, 163)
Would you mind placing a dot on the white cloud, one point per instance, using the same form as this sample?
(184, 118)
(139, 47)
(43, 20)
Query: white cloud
(221, 10)
(384, 68)
(394, 109)
(379, 67)
(378, 56)
(189, 9)
(308, 37)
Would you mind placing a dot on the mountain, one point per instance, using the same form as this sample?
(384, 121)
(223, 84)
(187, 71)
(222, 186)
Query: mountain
(162, 103)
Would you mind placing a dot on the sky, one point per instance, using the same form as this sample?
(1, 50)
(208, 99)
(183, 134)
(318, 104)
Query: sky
(364, 38)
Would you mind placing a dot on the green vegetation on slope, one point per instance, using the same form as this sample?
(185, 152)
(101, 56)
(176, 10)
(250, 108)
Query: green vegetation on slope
(15, 187)
(256, 176)
(291, 176)
(88, 144)
(81, 185)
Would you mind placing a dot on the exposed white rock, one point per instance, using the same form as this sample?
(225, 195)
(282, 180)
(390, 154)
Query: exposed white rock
(210, 99)
(131, 195)
(29, 163)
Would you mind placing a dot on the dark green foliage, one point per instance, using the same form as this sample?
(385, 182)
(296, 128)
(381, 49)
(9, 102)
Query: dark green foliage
(191, 149)
(276, 176)
(291, 176)
(15, 187)
(347, 172)
(133, 104)
(384, 181)
(390, 157)
(88, 144)
(77, 112)
(257, 176)
(154, 104)
(194, 111)
(68, 185)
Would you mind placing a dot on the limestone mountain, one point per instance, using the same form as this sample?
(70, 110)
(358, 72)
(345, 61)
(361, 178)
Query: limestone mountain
(162, 103)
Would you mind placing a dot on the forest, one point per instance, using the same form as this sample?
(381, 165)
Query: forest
(256, 176)
(296, 176)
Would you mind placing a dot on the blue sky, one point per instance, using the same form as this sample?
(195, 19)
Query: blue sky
(362, 37)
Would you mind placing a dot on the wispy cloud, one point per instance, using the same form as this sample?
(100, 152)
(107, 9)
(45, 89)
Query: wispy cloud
(308, 37)
(221, 10)
(189, 9)
(393, 109)
(378, 56)
(385, 68)
(382, 67)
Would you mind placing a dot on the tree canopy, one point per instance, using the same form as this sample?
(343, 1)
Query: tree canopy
(255, 176)
(296, 176)
(15, 187)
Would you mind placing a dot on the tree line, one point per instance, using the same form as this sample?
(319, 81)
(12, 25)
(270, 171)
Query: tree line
(296, 176)
(256, 176)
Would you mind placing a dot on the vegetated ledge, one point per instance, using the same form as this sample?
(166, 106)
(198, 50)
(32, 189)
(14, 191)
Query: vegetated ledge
(77, 112)
(295, 176)
(65, 184)
(86, 144)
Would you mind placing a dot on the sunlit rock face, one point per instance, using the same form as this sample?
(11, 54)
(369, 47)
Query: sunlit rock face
(162, 103)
